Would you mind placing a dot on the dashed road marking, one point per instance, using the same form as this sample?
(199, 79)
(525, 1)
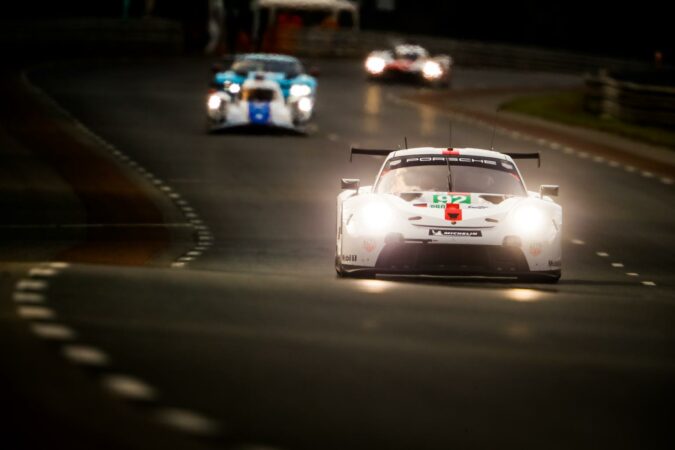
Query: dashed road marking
(53, 331)
(187, 421)
(602, 254)
(569, 150)
(333, 137)
(632, 274)
(613, 164)
(666, 180)
(598, 159)
(59, 265)
(85, 355)
(31, 285)
(129, 387)
(578, 242)
(617, 264)
(647, 174)
(28, 297)
(178, 264)
(583, 155)
(648, 283)
(630, 169)
(35, 313)
(42, 272)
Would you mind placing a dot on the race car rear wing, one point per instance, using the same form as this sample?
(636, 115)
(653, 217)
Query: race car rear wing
(369, 151)
(534, 155)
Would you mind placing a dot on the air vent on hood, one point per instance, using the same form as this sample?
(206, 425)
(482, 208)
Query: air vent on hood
(496, 199)
(410, 196)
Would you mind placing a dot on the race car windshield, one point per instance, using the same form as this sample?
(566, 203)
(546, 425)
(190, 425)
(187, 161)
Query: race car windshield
(293, 68)
(430, 174)
(257, 95)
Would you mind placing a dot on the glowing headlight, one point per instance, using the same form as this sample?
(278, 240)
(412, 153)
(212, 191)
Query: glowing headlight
(214, 102)
(300, 90)
(432, 70)
(375, 64)
(305, 104)
(529, 219)
(234, 88)
(376, 217)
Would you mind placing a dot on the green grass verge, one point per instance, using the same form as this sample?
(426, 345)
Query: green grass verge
(567, 108)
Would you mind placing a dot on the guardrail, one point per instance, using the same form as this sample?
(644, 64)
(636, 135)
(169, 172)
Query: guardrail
(328, 42)
(91, 36)
(630, 101)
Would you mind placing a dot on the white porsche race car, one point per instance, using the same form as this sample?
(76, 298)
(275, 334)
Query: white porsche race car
(435, 211)
(259, 104)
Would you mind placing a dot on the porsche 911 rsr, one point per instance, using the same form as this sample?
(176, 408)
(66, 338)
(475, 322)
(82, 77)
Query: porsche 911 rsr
(435, 211)
(287, 71)
(409, 62)
(260, 105)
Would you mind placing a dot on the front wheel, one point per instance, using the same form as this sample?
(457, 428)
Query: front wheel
(547, 278)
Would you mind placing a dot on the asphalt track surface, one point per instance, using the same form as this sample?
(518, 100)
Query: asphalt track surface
(260, 337)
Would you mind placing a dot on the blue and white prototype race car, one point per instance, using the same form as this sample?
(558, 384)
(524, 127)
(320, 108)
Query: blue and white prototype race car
(287, 71)
(259, 105)
(437, 211)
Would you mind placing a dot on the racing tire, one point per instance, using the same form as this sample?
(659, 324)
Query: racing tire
(550, 278)
(342, 273)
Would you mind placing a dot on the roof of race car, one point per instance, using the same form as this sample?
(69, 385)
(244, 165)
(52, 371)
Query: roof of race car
(266, 56)
(448, 151)
(410, 48)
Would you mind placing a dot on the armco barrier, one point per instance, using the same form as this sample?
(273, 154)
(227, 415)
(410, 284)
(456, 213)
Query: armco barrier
(91, 37)
(629, 101)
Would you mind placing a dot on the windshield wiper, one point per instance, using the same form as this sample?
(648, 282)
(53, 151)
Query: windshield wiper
(449, 175)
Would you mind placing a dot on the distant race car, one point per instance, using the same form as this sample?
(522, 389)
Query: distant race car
(409, 62)
(286, 71)
(259, 104)
(435, 211)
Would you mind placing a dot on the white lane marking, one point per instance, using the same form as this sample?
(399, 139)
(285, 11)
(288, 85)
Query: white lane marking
(28, 297)
(632, 274)
(666, 180)
(554, 145)
(186, 258)
(569, 150)
(578, 242)
(194, 253)
(648, 283)
(617, 264)
(53, 331)
(647, 174)
(129, 387)
(187, 421)
(178, 264)
(630, 169)
(188, 209)
(59, 265)
(176, 196)
(191, 215)
(42, 272)
(333, 137)
(614, 164)
(35, 312)
(83, 354)
(583, 155)
(31, 285)
(166, 189)
(602, 254)
(598, 159)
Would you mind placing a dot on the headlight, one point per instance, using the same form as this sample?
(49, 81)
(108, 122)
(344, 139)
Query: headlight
(375, 64)
(300, 90)
(214, 102)
(305, 104)
(529, 220)
(234, 88)
(432, 70)
(376, 217)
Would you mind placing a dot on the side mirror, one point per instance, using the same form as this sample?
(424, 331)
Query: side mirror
(217, 67)
(314, 71)
(350, 183)
(550, 190)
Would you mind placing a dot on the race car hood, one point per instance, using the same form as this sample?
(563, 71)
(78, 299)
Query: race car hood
(453, 208)
(285, 83)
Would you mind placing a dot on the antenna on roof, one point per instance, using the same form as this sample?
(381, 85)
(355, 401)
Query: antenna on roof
(405, 141)
(449, 133)
(494, 129)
